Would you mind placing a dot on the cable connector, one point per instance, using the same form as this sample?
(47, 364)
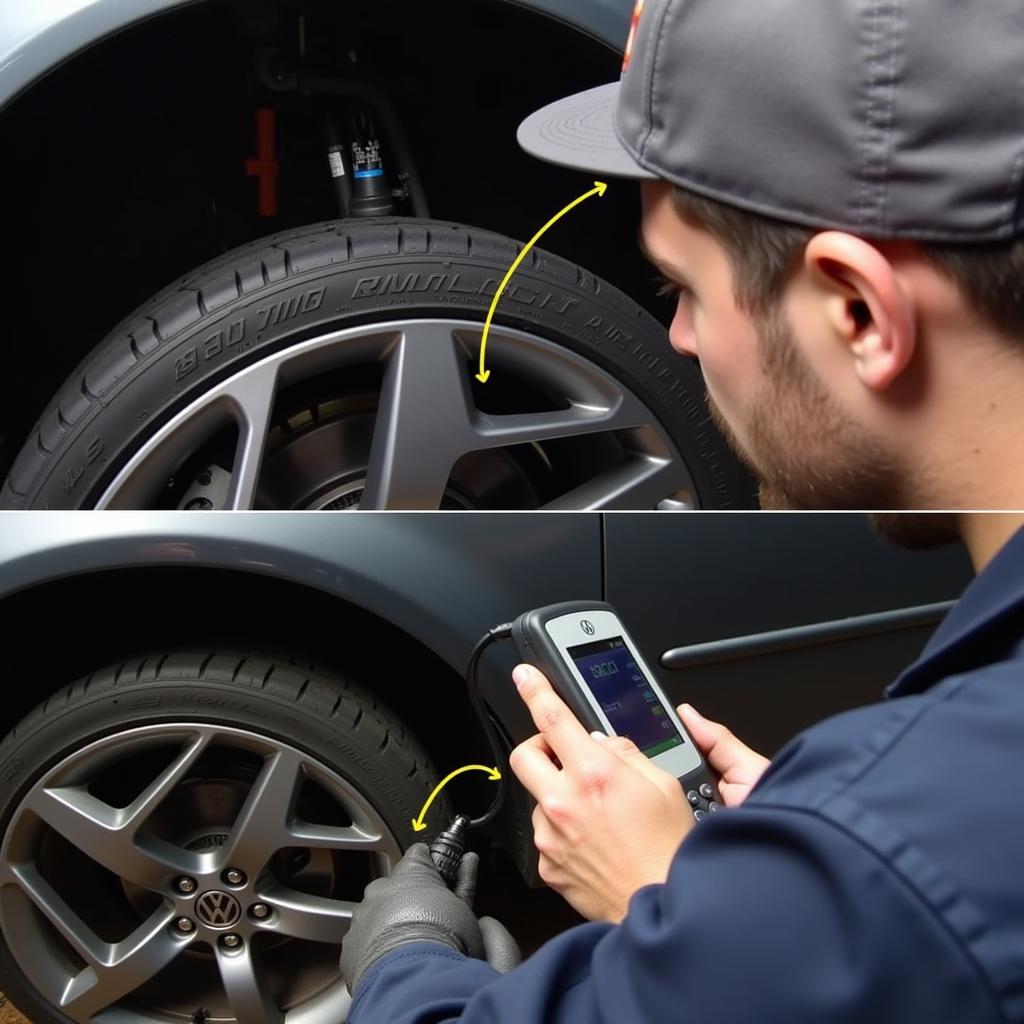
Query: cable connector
(447, 849)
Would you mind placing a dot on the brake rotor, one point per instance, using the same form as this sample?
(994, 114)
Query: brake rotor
(317, 459)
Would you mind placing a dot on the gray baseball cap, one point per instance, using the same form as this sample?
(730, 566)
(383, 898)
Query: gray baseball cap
(886, 118)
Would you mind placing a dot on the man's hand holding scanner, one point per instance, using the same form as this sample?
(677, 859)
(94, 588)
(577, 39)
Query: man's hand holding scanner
(607, 821)
(739, 768)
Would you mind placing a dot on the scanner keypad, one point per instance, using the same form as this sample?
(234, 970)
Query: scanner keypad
(703, 801)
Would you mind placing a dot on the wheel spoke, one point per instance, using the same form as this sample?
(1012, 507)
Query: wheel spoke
(125, 966)
(108, 834)
(303, 916)
(112, 969)
(82, 939)
(424, 421)
(250, 1001)
(495, 431)
(637, 484)
(261, 827)
(94, 828)
(139, 810)
(252, 396)
(333, 837)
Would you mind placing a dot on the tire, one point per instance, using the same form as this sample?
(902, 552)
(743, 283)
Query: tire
(243, 701)
(308, 282)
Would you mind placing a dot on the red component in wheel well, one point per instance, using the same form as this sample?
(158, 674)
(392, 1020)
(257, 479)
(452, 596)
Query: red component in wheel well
(264, 165)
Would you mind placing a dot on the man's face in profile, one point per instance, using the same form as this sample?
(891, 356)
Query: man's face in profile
(785, 422)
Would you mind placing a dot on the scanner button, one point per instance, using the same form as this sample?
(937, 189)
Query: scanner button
(706, 791)
(714, 807)
(698, 814)
(694, 798)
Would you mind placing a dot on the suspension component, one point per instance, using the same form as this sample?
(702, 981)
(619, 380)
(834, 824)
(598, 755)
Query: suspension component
(339, 163)
(371, 195)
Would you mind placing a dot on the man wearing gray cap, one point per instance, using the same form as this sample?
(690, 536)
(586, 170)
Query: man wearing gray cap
(834, 187)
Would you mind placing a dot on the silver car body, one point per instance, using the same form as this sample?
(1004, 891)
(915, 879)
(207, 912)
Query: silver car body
(37, 36)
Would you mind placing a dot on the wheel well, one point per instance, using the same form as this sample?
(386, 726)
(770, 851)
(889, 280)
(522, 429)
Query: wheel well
(82, 623)
(131, 156)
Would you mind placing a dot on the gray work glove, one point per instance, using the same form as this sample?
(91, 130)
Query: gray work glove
(414, 905)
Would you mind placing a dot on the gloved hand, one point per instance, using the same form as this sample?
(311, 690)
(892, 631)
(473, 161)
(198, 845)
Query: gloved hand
(501, 951)
(414, 905)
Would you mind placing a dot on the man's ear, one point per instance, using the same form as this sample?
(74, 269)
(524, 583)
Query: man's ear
(865, 304)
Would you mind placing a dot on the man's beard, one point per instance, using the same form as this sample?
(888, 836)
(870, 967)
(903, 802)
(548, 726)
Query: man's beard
(808, 453)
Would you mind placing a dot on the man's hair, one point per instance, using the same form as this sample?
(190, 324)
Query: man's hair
(764, 252)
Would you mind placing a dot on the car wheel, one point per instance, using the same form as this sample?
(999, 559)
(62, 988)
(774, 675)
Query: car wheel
(184, 837)
(334, 367)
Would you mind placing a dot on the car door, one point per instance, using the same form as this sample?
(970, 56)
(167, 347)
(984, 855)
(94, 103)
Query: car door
(772, 629)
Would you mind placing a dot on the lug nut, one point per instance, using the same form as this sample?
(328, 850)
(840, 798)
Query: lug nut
(234, 877)
(231, 941)
(186, 886)
(260, 911)
(185, 925)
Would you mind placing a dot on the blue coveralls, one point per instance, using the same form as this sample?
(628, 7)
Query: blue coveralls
(875, 874)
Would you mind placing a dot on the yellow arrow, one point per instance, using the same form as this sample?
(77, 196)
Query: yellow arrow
(598, 189)
(418, 824)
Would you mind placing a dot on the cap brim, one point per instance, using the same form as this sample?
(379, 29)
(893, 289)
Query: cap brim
(579, 132)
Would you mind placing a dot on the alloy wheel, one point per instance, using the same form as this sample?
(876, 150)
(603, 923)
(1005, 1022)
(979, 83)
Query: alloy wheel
(424, 436)
(189, 872)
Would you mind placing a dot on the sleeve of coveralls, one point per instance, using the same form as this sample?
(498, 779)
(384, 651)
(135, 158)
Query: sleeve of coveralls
(768, 915)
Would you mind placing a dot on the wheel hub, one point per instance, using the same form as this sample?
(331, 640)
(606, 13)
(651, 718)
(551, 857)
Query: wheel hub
(207, 841)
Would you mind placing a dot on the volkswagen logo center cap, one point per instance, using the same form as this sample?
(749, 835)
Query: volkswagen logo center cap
(218, 909)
